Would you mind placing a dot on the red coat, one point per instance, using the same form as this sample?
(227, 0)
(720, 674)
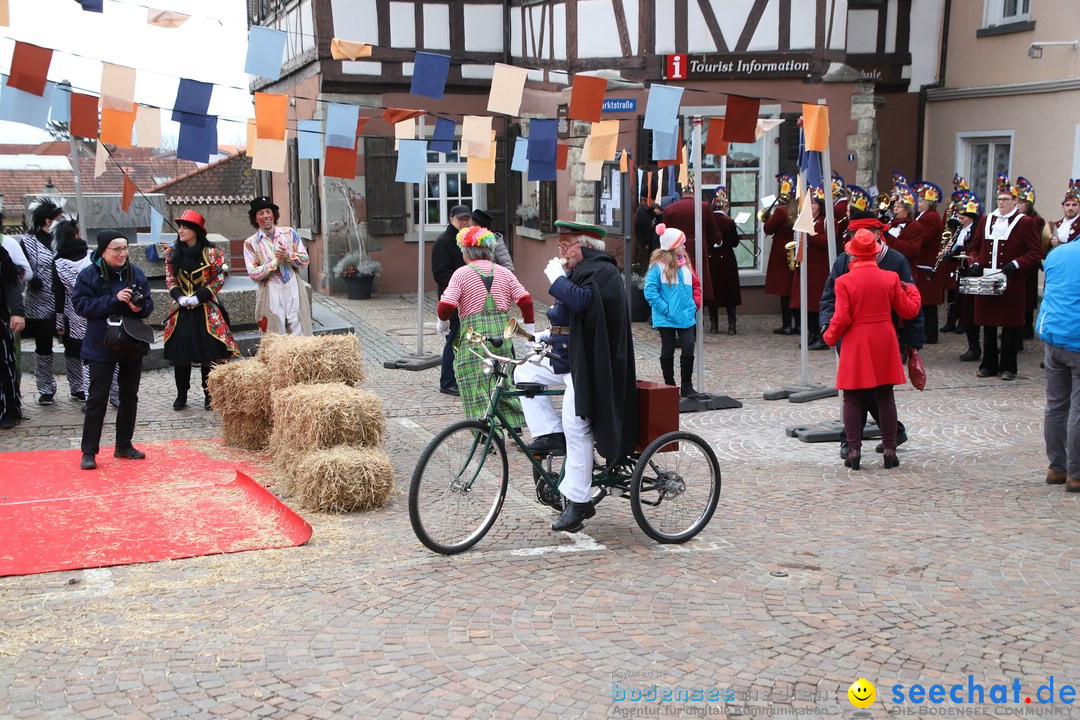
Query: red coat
(778, 275)
(816, 259)
(908, 242)
(680, 214)
(865, 299)
(932, 291)
(723, 265)
(1022, 245)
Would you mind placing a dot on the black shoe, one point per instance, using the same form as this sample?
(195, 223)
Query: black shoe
(180, 402)
(129, 453)
(450, 391)
(78, 396)
(714, 327)
(688, 391)
(970, 356)
(843, 450)
(8, 422)
(901, 438)
(1007, 375)
(783, 331)
(818, 344)
(731, 328)
(575, 512)
(46, 399)
(207, 403)
(984, 373)
(89, 462)
(960, 329)
(948, 327)
(553, 444)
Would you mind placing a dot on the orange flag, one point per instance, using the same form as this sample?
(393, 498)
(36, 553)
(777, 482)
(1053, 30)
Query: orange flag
(84, 115)
(348, 50)
(116, 127)
(271, 110)
(587, 98)
(129, 193)
(395, 115)
(340, 162)
(816, 127)
(714, 138)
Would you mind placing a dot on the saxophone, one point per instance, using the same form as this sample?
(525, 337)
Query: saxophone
(946, 245)
(792, 260)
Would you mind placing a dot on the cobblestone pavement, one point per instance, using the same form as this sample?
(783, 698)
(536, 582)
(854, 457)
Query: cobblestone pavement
(961, 561)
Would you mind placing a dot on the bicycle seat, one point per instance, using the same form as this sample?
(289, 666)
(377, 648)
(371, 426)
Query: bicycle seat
(529, 389)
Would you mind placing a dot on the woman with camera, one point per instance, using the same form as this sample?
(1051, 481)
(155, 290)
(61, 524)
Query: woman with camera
(110, 286)
(197, 330)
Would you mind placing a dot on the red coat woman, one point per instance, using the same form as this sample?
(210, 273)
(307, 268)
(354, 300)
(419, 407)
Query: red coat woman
(866, 297)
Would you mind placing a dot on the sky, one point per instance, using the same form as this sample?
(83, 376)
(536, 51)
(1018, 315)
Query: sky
(211, 47)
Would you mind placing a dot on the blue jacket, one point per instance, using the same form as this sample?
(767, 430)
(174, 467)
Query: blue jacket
(673, 306)
(91, 300)
(1059, 313)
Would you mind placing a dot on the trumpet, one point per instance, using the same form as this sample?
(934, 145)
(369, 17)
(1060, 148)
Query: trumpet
(883, 202)
(764, 213)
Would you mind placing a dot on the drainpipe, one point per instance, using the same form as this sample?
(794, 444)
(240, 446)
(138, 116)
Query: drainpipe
(507, 150)
(942, 58)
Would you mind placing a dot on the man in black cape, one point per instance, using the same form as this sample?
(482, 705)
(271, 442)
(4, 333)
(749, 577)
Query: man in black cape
(587, 283)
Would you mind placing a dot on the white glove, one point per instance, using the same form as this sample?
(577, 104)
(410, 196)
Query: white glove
(191, 300)
(442, 326)
(542, 336)
(529, 328)
(554, 270)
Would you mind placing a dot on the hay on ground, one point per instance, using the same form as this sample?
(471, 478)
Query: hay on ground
(340, 479)
(240, 387)
(313, 417)
(296, 359)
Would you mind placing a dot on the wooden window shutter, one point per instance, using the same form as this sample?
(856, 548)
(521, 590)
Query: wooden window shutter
(385, 198)
(547, 206)
(789, 143)
(516, 178)
(293, 165)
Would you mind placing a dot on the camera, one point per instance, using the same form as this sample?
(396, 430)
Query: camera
(137, 298)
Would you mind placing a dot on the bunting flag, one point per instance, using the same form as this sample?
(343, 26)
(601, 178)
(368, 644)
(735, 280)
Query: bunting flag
(156, 221)
(659, 186)
(393, 116)
(165, 18)
(562, 154)
(117, 87)
(482, 170)
(404, 130)
(269, 154)
(520, 161)
(271, 110)
(816, 127)
(198, 137)
(587, 98)
(84, 116)
(97, 6)
(148, 126)
(442, 139)
(809, 162)
(543, 150)
(740, 120)
(805, 222)
(412, 161)
(116, 127)
(192, 97)
(5, 16)
(26, 108)
(764, 125)
(128, 195)
(714, 138)
(507, 87)
(341, 121)
(340, 162)
(347, 50)
(60, 110)
(29, 68)
(623, 161)
(475, 133)
(429, 75)
(99, 160)
(308, 140)
(662, 108)
(266, 50)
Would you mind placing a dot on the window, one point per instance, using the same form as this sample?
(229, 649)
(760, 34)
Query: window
(447, 186)
(1004, 12)
(980, 159)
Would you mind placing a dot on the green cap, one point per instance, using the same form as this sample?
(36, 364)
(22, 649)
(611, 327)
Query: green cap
(567, 227)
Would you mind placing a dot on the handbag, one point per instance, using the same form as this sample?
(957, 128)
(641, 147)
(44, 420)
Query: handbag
(128, 337)
(916, 369)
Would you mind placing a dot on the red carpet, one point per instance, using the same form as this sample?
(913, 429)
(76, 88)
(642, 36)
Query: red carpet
(183, 500)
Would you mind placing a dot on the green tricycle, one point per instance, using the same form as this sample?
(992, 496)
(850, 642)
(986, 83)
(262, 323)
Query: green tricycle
(459, 484)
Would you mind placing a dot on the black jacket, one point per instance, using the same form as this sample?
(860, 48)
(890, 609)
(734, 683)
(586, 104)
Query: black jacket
(445, 258)
(94, 297)
(913, 332)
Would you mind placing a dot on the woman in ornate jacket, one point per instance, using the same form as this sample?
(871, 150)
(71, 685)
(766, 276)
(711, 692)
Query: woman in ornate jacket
(197, 329)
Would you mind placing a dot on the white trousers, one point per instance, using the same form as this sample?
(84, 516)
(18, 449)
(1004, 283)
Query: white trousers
(285, 303)
(542, 419)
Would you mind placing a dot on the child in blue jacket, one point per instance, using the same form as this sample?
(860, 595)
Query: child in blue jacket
(674, 292)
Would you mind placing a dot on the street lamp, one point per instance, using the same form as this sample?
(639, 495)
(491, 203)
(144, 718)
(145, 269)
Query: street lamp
(1035, 49)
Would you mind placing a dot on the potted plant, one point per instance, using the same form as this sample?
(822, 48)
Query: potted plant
(359, 273)
(529, 215)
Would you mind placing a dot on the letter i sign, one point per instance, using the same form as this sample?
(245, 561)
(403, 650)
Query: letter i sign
(676, 67)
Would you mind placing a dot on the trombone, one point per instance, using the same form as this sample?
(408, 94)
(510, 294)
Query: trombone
(764, 213)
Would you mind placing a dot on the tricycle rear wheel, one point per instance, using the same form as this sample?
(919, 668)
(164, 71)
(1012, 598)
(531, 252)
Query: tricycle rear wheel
(675, 487)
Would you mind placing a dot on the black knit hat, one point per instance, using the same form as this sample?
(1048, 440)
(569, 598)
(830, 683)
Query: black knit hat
(105, 237)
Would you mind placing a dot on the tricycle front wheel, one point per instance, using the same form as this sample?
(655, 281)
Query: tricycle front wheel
(675, 487)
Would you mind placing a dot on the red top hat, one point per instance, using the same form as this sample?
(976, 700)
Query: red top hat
(192, 218)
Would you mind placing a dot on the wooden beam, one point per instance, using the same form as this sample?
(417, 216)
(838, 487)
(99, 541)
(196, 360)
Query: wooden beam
(819, 24)
(882, 26)
(783, 39)
(713, 25)
(903, 26)
(682, 14)
(753, 19)
(418, 25)
(646, 27)
(382, 18)
(620, 25)
(571, 32)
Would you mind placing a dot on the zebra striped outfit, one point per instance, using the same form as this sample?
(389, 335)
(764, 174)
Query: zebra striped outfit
(41, 310)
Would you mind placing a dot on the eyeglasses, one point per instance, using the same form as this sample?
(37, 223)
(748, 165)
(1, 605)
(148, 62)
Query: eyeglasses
(1006, 198)
(567, 246)
(120, 249)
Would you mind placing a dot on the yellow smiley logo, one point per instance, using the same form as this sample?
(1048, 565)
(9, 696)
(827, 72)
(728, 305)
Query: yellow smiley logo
(862, 693)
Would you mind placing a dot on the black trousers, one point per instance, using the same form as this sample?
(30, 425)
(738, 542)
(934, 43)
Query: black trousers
(447, 379)
(684, 337)
(97, 401)
(43, 332)
(1010, 346)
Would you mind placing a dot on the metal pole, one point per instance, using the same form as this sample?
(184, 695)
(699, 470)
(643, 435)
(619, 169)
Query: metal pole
(800, 245)
(420, 259)
(628, 230)
(699, 241)
(826, 182)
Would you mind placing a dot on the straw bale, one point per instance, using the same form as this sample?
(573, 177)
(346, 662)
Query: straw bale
(341, 479)
(240, 386)
(245, 431)
(296, 359)
(313, 417)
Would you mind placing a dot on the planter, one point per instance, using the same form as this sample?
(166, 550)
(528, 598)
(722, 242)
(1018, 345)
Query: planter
(640, 310)
(359, 287)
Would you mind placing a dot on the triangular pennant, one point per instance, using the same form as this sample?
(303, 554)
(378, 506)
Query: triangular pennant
(805, 221)
(99, 160)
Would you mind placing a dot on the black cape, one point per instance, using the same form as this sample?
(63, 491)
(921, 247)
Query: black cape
(602, 357)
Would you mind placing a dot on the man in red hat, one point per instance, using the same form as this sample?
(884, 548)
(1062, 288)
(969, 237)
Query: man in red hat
(274, 256)
(1067, 228)
(1006, 242)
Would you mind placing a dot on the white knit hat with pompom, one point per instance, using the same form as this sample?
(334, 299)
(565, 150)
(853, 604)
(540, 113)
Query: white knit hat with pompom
(670, 238)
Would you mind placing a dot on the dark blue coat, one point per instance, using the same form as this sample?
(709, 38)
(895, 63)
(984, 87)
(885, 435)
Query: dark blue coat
(94, 302)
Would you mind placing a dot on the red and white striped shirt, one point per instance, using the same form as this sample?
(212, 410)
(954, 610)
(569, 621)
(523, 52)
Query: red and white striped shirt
(466, 292)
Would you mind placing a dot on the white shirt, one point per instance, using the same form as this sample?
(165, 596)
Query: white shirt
(15, 252)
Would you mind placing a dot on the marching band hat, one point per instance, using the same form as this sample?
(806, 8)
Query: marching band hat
(787, 183)
(720, 199)
(261, 202)
(959, 182)
(899, 178)
(1025, 191)
(860, 199)
(903, 194)
(566, 227)
(481, 217)
(816, 193)
(460, 211)
(862, 245)
(838, 186)
(1004, 186)
(1073, 192)
(970, 205)
(928, 191)
(475, 236)
(670, 238)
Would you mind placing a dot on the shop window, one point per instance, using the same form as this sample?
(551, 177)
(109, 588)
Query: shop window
(981, 159)
(1006, 12)
(534, 212)
(447, 186)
